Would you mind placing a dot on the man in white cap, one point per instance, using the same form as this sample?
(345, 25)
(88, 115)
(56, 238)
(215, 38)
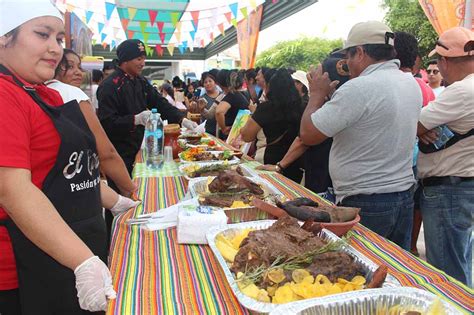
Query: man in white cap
(447, 174)
(372, 120)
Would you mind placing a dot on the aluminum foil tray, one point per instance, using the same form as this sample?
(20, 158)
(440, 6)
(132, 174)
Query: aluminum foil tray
(182, 167)
(233, 160)
(265, 308)
(367, 302)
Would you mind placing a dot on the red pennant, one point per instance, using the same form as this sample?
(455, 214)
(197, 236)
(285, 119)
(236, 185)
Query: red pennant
(228, 16)
(125, 23)
(212, 36)
(104, 45)
(195, 15)
(202, 43)
(160, 25)
(162, 37)
(130, 34)
(159, 50)
(152, 14)
(221, 27)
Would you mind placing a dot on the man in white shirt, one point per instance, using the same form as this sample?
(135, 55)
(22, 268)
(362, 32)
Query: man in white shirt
(447, 201)
(372, 119)
(434, 77)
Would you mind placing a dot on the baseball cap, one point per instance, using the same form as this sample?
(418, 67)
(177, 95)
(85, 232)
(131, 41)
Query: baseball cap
(130, 49)
(370, 32)
(14, 13)
(301, 76)
(455, 42)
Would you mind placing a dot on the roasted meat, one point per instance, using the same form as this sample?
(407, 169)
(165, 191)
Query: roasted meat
(231, 181)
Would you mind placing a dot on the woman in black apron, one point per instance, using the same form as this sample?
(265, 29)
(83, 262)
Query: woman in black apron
(47, 284)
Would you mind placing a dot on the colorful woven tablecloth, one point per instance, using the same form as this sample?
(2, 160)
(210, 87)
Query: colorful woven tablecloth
(168, 169)
(152, 274)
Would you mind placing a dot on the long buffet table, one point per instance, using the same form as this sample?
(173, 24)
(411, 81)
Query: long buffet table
(153, 274)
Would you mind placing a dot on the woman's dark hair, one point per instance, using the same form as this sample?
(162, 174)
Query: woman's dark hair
(268, 73)
(284, 96)
(377, 52)
(169, 89)
(97, 75)
(433, 62)
(229, 79)
(177, 82)
(406, 47)
(62, 66)
(13, 34)
(250, 74)
(206, 75)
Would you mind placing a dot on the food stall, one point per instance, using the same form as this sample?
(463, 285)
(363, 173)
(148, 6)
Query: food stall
(153, 274)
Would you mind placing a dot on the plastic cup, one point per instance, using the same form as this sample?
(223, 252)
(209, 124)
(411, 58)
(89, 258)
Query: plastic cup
(168, 153)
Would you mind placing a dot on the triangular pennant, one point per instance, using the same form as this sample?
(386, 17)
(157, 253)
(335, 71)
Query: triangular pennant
(228, 16)
(152, 14)
(195, 16)
(178, 36)
(104, 45)
(192, 34)
(109, 8)
(174, 18)
(202, 43)
(159, 50)
(212, 36)
(160, 25)
(130, 34)
(244, 12)
(113, 44)
(103, 36)
(170, 49)
(100, 27)
(149, 50)
(145, 38)
(195, 25)
(178, 27)
(233, 8)
(181, 49)
(162, 37)
(221, 28)
(185, 44)
(234, 22)
(143, 26)
(89, 16)
(131, 13)
(125, 23)
(253, 4)
(70, 7)
(94, 41)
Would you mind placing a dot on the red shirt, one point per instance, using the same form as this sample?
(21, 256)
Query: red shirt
(426, 91)
(29, 140)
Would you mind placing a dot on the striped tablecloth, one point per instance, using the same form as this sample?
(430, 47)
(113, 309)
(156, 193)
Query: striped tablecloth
(152, 274)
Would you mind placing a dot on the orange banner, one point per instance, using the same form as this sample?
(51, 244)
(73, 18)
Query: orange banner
(247, 37)
(445, 14)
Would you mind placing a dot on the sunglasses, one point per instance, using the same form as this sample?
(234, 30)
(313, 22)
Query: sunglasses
(432, 71)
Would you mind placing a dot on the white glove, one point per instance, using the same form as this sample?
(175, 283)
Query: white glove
(140, 119)
(94, 285)
(123, 204)
(189, 124)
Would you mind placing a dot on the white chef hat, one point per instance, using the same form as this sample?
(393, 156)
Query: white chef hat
(14, 13)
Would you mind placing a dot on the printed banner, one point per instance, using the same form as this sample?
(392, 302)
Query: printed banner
(247, 37)
(444, 14)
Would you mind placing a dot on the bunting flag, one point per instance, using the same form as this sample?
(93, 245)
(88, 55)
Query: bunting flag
(234, 22)
(94, 41)
(145, 38)
(113, 44)
(124, 23)
(162, 37)
(221, 28)
(195, 16)
(170, 49)
(178, 36)
(212, 36)
(89, 16)
(100, 27)
(192, 34)
(160, 25)
(104, 45)
(130, 34)
(181, 49)
(131, 13)
(244, 12)
(109, 8)
(152, 14)
(159, 50)
(103, 36)
(228, 16)
(185, 44)
(234, 8)
(149, 50)
(143, 26)
(174, 18)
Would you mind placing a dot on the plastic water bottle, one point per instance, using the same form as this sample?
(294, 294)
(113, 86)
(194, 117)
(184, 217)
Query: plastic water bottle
(154, 140)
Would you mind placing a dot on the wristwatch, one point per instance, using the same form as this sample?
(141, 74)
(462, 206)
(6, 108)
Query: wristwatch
(278, 167)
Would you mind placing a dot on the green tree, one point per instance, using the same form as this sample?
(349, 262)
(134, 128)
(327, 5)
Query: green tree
(298, 54)
(408, 16)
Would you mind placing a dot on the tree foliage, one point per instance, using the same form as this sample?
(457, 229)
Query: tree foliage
(408, 16)
(298, 54)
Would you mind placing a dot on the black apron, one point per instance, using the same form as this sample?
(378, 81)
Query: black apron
(73, 187)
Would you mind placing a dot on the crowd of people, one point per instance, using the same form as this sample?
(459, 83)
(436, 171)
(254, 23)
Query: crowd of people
(360, 129)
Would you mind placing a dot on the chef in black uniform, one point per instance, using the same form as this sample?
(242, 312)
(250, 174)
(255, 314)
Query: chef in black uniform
(125, 99)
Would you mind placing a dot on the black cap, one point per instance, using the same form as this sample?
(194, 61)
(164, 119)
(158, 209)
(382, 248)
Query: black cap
(130, 49)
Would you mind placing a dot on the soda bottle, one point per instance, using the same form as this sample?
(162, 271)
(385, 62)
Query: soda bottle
(154, 140)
